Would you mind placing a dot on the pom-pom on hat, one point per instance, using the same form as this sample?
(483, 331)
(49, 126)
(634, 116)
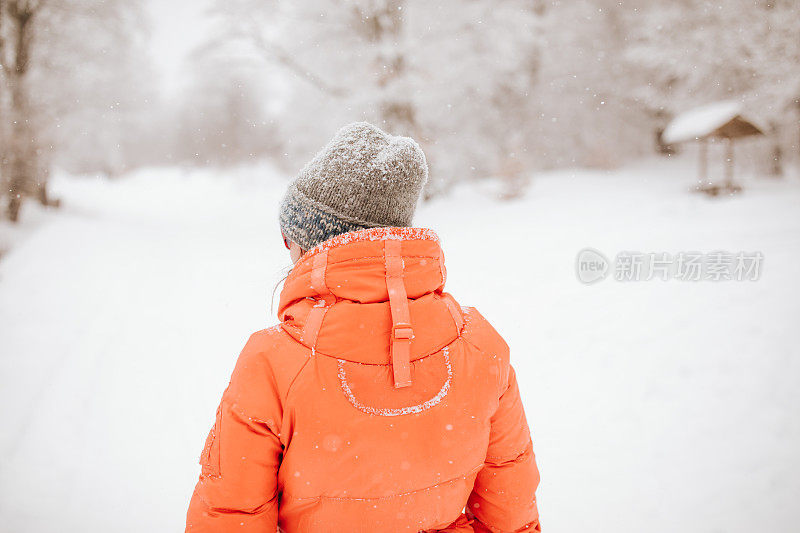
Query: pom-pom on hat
(363, 178)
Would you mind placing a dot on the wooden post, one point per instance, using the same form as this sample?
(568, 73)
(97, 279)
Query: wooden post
(703, 169)
(729, 164)
(776, 155)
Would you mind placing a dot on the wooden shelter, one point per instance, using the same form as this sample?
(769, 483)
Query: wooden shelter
(721, 121)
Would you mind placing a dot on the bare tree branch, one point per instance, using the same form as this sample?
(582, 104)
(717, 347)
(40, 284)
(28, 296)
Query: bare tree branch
(272, 51)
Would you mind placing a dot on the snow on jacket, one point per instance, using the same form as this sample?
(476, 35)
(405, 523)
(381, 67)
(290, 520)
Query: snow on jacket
(378, 404)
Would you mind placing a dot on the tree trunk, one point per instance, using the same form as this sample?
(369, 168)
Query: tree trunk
(23, 155)
(3, 104)
(384, 27)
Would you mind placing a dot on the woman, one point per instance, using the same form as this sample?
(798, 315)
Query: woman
(378, 403)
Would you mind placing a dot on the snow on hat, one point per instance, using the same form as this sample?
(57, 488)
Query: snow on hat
(363, 178)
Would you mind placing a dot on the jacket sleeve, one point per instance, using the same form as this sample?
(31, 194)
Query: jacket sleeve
(503, 498)
(238, 486)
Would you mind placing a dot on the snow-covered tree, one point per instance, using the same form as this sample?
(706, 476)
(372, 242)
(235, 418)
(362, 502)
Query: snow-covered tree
(583, 112)
(21, 172)
(222, 117)
(457, 76)
(94, 84)
(74, 85)
(690, 52)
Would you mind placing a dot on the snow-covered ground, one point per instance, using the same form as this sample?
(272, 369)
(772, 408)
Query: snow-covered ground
(655, 406)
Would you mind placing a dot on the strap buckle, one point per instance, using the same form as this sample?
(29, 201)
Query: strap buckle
(402, 331)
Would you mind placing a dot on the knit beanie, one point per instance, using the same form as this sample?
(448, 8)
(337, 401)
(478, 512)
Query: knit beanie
(363, 178)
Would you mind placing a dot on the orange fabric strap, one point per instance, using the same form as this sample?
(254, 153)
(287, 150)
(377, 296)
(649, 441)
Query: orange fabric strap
(402, 333)
(317, 313)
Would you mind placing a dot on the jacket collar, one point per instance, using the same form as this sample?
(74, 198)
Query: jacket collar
(344, 279)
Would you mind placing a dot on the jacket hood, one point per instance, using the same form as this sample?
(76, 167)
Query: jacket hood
(336, 300)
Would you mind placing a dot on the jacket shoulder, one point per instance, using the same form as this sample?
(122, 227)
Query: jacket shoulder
(480, 333)
(264, 372)
(270, 348)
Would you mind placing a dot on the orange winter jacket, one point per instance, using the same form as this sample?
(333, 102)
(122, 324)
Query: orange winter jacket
(378, 404)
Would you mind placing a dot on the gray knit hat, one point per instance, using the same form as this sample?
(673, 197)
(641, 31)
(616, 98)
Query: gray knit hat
(363, 178)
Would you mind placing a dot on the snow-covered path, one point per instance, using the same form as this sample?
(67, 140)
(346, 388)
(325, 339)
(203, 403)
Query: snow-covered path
(655, 406)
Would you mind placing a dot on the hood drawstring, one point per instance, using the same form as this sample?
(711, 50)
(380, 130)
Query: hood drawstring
(402, 333)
